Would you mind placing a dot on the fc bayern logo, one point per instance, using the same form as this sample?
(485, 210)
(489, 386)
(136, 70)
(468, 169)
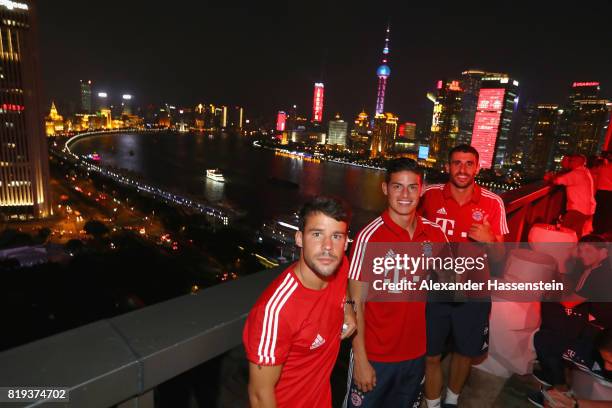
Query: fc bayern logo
(477, 215)
(356, 399)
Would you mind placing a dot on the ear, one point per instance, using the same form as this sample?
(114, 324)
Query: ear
(384, 187)
(447, 167)
(346, 244)
(298, 239)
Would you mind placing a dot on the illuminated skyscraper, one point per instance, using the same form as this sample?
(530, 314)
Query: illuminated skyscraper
(407, 131)
(317, 102)
(470, 84)
(445, 120)
(281, 120)
(584, 122)
(359, 140)
(24, 161)
(383, 72)
(337, 131)
(383, 134)
(85, 96)
(539, 150)
(361, 123)
(497, 100)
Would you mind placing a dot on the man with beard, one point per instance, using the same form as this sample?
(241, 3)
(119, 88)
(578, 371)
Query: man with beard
(387, 359)
(292, 334)
(467, 213)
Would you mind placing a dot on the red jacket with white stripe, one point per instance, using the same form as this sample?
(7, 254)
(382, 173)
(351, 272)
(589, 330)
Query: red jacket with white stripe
(298, 328)
(394, 331)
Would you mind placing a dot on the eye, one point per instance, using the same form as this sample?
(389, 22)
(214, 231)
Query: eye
(337, 237)
(316, 234)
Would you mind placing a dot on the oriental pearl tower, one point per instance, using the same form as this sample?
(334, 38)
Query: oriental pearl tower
(383, 72)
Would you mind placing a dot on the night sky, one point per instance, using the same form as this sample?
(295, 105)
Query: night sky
(267, 58)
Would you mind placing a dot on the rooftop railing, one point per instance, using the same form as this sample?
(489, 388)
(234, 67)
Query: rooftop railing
(120, 361)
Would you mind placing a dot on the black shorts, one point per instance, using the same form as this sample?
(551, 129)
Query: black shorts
(468, 323)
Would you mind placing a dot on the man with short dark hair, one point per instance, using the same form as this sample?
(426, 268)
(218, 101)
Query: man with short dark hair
(569, 328)
(292, 334)
(387, 367)
(467, 213)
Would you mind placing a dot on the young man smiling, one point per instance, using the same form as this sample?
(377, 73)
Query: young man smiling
(292, 335)
(387, 366)
(467, 213)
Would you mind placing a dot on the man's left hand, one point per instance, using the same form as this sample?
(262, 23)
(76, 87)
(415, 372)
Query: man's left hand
(350, 322)
(482, 232)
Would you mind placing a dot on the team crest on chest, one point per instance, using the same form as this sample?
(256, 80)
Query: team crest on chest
(477, 214)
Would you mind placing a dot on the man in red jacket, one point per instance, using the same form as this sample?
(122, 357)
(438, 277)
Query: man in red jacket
(292, 335)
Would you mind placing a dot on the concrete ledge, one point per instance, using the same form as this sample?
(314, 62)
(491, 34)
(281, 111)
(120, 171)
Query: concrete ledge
(110, 361)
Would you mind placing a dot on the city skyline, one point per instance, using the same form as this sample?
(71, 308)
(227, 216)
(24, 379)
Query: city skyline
(266, 61)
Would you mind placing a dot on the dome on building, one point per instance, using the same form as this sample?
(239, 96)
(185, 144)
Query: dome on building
(383, 71)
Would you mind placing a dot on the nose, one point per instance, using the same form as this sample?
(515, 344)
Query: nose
(327, 243)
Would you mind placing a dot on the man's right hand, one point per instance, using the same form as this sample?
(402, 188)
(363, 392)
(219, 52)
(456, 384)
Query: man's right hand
(364, 375)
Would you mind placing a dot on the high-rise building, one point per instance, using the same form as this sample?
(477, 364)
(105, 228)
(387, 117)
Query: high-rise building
(470, 84)
(292, 118)
(405, 142)
(281, 119)
(383, 72)
(407, 131)
(497, 101)
(317, 102)
(361, 123)
(236, 118)
(445, 120)
(224, 117)
(526, 118)
(85, 92)
(337, 131)
(383, 134)
(585, 120)
(539, 151)
(24, 161)
(359, 140)
(126, 104)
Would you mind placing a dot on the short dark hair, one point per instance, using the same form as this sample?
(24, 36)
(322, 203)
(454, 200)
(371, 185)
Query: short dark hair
(596, 240)
(333, 207)
(464, 148)
(403, 164)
